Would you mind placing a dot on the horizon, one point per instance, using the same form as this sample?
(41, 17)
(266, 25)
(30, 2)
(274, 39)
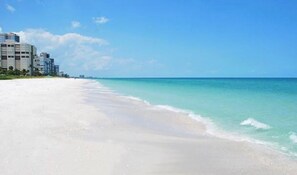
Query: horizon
(93, 77)
(153, 39)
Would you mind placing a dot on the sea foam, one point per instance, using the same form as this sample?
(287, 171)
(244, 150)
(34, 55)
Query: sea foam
(254, 123)
(136, 99)
(211, 127)
(293, 137)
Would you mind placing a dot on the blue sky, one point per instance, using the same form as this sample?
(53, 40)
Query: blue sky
(153, 38)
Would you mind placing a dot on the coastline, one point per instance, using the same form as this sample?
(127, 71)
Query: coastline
(80, 127)
(14, 77)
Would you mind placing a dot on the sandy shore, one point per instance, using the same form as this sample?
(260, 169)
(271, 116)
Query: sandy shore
(75, 127)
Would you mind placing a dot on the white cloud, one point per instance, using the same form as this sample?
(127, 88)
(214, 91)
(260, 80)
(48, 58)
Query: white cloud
(0, 29)
(39, 35)
(10, 8)
(100, 20)
(76, 53)
(75, 24)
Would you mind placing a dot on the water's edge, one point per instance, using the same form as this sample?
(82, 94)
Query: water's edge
(211, 128)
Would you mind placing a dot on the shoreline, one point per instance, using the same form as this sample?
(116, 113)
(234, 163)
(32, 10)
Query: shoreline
(75, 126)
(184, 116)
(211, 128)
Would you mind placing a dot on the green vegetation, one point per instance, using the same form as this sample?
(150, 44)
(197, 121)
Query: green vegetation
(15, 74)
(10, 77)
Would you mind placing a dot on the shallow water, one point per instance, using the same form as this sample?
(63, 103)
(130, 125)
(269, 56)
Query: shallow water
(262, 109)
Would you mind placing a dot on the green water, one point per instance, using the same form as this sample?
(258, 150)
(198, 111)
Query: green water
(262, 109)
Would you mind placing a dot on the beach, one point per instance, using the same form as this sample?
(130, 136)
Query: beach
(74, 126)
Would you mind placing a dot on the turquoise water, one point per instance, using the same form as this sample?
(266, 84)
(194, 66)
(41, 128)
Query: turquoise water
(262, 109)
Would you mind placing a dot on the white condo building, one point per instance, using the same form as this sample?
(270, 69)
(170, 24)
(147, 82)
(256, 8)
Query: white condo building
(17, 55)
(9, 36)
(21, 56)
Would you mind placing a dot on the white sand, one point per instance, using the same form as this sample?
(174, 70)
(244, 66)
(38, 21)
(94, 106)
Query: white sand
(77, 127)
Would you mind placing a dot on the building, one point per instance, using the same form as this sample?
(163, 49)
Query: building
(57, 69)
(9, 36)
(21, 56)
(51, 66)
(17, 56)
(36, 64)
(46, 65)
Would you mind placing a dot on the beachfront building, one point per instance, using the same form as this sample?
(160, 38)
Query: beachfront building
(41, 63)
(21, 56)
(18, 56)
(46, 65)
(51, 66)
(56, 70)
(9, 36)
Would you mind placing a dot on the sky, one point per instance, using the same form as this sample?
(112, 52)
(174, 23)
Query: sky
(167, 38)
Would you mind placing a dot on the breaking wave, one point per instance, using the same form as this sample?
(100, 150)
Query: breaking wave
(293, 137)
(254, 123)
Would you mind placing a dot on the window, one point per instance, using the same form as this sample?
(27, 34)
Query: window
(17, 58)
(4, 57)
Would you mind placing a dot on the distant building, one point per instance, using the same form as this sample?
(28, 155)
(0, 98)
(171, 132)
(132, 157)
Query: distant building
(44, 63)
(51, 66)
(9, 36)
(56, 70)
(37, 64)
(81, 76)
(17, 55)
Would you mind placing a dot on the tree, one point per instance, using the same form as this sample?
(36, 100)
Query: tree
(36, 72)
(24, 72)
(3, 71)
(17, 72)
(10, 71)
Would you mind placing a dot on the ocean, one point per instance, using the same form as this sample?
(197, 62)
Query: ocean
(251, 109)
